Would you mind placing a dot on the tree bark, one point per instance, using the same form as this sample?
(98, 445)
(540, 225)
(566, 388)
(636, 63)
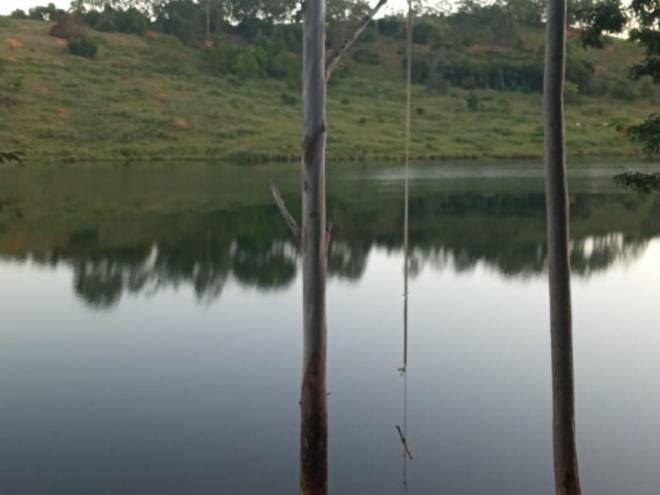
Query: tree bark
(314, 418)
(567, 480)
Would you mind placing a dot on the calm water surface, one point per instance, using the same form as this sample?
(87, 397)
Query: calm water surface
(151, 332)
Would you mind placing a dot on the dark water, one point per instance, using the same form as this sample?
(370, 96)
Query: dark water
(151, 334)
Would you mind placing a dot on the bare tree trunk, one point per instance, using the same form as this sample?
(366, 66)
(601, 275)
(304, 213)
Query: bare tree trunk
(314, 417)
(567, 480)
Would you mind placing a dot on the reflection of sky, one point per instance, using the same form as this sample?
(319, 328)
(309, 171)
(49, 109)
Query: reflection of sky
(164, 395)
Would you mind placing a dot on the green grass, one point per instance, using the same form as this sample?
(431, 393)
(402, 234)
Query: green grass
(152, 98)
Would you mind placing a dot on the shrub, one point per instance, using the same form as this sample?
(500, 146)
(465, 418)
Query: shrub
(288, 99)
(47, 13)
(392, 26)
(582, 73)
(622, 90)
(647, 134)
(83, 47)
(67, 26)
(571, 92)
(472, 101)
(246, 65)
(366, 56)
(252, 28)
(420, 69)
(18, 14)
(130, 21)
(242, 61)
(369, 34)
(283, 65)
(180, 18)
(422, 33)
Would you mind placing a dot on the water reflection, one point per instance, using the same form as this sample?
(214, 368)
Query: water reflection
(156, 245)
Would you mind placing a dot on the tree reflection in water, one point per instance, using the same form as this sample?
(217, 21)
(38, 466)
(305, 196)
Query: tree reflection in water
(205, 246)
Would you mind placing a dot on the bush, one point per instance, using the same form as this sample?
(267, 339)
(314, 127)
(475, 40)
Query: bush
(180, 18)
(392, 26)
(472, 101)
(47, 13)
(622, 90)
(571, 92)
(283, 65)
(423, 33)
(252, 28)
(647, 134)
(366, 56)
(83, 47)
(582, 73)
(242, 61)
(18, 14)
(130, 21)
(67, 26)
(288, 99)
(246, 65)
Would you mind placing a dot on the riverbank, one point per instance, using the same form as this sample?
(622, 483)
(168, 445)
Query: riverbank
(151, 99)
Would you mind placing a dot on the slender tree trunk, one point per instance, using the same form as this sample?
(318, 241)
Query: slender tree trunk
(314, 417)
(567, 480)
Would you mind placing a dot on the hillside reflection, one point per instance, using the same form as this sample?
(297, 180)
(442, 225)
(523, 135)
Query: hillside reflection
(203, 246)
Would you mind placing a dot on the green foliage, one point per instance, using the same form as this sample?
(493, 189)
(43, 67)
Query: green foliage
(249, 61)
(642, 19)
(366, 56)
(420, 69)
(83, 47)
(181, 18)
(18, 14)
(639, 181)
(472, 101)
(648, 134)
(392, 26)
(622, 90)
(422, 33)
(183, 111)
(571, 92)
(526, 11)
(492, 70)
(288, 99)
(130, 21)
(246, 64)
(252, 28)
(490, 24)
(603, 16)
(45, 13)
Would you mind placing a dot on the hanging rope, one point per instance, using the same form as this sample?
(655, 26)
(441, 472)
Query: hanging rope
(406, 214)
(406, 210)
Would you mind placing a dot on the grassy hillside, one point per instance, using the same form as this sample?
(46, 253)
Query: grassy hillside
(153, 98)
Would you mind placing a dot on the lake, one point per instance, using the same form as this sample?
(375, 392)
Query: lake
(151, 331)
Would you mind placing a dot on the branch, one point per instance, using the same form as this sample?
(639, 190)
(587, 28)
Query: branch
(332, 64)
(404, 442)
(288, 218)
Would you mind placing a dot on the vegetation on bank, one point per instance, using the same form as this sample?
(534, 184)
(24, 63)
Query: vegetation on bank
(162, 97)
